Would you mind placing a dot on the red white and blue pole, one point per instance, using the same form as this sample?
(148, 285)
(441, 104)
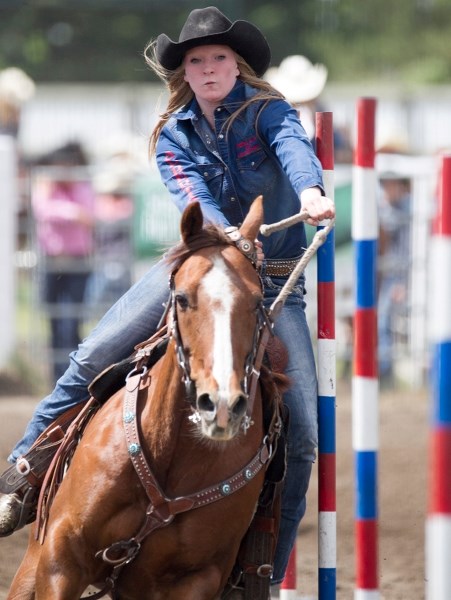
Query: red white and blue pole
(288, 586)
(438, 522)
(365, 386)
(326, 365)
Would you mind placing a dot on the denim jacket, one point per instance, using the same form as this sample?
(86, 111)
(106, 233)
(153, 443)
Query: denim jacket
(226, 170)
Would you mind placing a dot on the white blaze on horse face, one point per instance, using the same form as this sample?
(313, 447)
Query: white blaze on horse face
(217, 284)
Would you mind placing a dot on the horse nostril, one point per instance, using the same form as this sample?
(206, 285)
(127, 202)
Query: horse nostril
(240, 406)
(205, 403)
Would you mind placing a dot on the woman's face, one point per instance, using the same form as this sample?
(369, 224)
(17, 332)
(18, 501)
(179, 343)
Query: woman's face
(211, 72)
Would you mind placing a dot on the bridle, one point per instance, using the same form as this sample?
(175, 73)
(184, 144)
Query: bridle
(263, 328)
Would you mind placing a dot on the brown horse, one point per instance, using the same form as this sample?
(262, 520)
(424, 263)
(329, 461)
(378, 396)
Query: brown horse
(158, 496)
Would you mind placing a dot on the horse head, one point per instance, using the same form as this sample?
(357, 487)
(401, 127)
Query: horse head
(216, 320)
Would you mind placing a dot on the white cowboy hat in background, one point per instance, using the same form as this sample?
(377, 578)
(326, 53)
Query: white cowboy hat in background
(16, 87)
(297, 79)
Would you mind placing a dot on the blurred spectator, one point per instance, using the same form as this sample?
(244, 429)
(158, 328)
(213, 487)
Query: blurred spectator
(112, 275)
(16, 88)
(63, 206)
(301, 83)
(393, 266)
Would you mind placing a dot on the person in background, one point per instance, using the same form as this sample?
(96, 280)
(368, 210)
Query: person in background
(63, 204)
(393, 266)
(226, 137)
(302, 83)
(113, 252)
(16, 88)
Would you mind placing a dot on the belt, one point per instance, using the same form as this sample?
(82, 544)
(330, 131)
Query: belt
(281, 267)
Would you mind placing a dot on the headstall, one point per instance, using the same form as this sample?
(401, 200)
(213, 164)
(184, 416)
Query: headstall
(263, 328)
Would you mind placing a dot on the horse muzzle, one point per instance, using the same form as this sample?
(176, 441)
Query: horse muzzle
(221, 415)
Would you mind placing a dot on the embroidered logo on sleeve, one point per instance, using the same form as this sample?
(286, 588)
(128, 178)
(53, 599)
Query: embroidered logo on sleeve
(183, 182)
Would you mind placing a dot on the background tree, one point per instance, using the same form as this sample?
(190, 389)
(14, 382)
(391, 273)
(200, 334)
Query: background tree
(103, 40)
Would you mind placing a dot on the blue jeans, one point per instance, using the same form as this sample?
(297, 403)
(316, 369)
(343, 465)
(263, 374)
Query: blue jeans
(292, 328)
(134, 318)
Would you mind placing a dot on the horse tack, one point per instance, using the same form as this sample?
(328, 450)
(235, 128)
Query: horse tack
(162, 507)
(162, 510)
(263, 331)
(30, 470)
(55, 473)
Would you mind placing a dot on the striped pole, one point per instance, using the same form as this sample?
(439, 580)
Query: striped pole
(288, 585)
(438, 522)
(326, 365)
(326, 361)
(365, 387)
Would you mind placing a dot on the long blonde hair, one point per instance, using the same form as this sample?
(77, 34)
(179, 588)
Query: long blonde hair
(180, 92)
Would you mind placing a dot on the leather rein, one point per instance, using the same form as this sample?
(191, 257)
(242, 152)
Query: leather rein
(161, 509)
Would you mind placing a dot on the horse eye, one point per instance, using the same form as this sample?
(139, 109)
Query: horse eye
(182, 301)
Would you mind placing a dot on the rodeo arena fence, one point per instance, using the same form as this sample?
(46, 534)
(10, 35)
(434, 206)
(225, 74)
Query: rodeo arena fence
(427, 343)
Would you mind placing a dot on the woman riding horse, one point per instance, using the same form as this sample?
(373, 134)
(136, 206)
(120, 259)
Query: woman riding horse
(226, 137)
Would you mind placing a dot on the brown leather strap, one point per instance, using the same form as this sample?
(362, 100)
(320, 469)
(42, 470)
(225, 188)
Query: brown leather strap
(257, 551)
(132, 437)
(255, 375)
(31, 468)
(55, 472)
(161, 505)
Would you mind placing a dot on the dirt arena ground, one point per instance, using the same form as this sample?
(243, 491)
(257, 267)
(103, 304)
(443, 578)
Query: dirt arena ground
(402, 497)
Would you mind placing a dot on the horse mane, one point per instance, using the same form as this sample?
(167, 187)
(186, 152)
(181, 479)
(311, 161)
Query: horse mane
(209, 235)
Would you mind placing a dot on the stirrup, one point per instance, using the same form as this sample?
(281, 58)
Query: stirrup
(29, 507)
(29, 470)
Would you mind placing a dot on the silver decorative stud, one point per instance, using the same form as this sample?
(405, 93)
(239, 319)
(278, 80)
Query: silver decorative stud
(129, 417)
(134, 449)
(226, 489)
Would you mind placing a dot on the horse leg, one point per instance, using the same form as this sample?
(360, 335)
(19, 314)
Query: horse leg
(202, 585)
(59, 585)
(59, 575)
(23, 584)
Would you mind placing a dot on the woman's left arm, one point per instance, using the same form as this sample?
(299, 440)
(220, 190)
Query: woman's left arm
(280, 127)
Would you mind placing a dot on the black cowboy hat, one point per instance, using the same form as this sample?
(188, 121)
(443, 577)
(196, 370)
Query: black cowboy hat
(209, 26)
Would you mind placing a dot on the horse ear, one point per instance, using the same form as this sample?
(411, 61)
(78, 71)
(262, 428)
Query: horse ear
(254, 219)
(192, 221)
